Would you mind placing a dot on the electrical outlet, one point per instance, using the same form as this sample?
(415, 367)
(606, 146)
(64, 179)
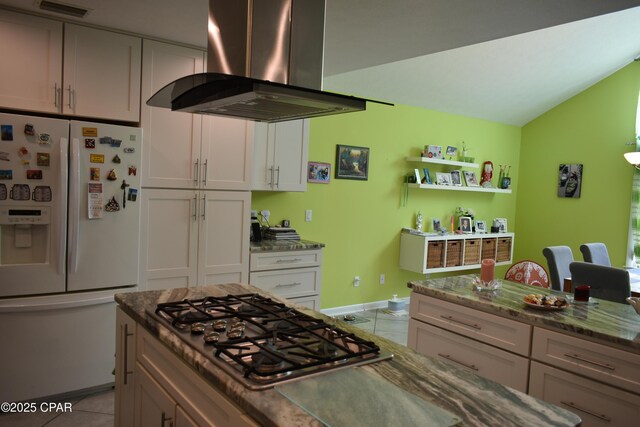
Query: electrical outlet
(307, 215)
(356, 281)
(382, 279)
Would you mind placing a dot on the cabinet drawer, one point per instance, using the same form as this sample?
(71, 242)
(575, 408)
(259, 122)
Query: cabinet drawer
(616, 367)
(595, 403)
(298, 282)
(261, 261)
(497, 331)
(312, 302)
(484, 360)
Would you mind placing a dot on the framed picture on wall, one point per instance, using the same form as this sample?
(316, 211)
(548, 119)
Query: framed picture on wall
(570, 180)
(352, 162)
(319, 172)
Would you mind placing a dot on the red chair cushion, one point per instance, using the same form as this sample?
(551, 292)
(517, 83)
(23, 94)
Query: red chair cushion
(529, 272)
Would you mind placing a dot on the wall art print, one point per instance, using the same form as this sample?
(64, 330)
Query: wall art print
(570, 180)
(352, 162)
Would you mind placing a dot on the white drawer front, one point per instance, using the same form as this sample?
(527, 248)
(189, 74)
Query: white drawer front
(484, 360)
(616, 367)
(260, 261)
(298, 282)
(312, 302)
(596, 403)
(491, 329)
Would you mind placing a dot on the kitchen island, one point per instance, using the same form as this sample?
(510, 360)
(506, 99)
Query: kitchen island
(472, 400)
(584, 357)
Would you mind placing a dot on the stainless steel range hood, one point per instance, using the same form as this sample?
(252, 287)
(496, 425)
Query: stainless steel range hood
(265, 61)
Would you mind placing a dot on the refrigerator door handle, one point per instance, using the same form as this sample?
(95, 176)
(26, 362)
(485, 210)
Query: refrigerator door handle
(74, 206)
(62, 224)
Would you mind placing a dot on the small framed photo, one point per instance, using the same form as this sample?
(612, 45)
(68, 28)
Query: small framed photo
(466, 224)
(451, 151)
(319, 172)
(443, 178)
(427, 176)
(501, 223)
(352, 162)
(481, 227)
(436, 225)
(471, 179)
(434, 151)
(456, 178)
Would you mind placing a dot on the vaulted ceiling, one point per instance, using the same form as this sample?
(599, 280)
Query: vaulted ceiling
(502, 60)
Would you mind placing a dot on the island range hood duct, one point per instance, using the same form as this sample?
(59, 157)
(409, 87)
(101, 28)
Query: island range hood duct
(265, 60)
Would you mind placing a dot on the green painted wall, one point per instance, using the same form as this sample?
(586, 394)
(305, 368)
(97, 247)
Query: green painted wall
(360, 222)
(590, 128)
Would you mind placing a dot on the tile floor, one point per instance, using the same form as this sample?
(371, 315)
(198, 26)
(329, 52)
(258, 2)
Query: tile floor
(96, 409)
(92, 410)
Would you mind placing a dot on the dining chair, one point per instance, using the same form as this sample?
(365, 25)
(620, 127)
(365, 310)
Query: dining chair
(595, 253)
(610, 283)
(529, 272)
(558, 260)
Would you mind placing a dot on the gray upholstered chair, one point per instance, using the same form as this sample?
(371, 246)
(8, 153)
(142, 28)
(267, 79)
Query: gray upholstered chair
(608, 283)
(558, 260)
(595, 253)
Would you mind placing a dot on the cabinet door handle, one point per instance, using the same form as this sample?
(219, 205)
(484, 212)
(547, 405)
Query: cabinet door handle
(206, 167)
(196, 170)
(471, 325)
(603, 417)
(593, 362)
(125, 351)
(56, 95)
(193, 209)
(72, 99)
(270, 183)
(286, 285)
(448, 357)
(165, 419)
(288, 260)
(204, 207)
(278, 177)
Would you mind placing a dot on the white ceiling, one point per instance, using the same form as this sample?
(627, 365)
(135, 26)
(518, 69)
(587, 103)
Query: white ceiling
(502, 60)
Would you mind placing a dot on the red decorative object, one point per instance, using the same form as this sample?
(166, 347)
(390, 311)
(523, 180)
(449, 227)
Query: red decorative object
(529, 272)
(487, 270)
(487, 174)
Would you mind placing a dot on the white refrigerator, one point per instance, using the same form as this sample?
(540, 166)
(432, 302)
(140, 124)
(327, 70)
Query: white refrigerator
(69, 240)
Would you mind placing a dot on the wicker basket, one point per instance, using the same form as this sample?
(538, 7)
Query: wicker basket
(435, 254)
(454, 253)
(504, 249)
(471, 251)
(489, 248)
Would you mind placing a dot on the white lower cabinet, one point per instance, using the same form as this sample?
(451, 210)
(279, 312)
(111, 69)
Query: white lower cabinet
(163, 391)
(295, 275)
(482, 359)
(194, 238)
(125, 369)
(597, 404)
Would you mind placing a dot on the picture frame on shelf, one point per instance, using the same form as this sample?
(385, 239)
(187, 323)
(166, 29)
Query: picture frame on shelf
(352, 162)
(417, 175)
(501, 224)
(465, 223)
(427, 176)
(481, 227)
(443, 178)
(434, 151)
(451, 151)
(318, 172)
(471, 179)
(436, 225)
(456, 178)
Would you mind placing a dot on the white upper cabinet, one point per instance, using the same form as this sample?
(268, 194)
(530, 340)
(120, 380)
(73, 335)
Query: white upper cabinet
(101, 69)
(101, 74)
(280, 156)
(31, 69)
(189, 150)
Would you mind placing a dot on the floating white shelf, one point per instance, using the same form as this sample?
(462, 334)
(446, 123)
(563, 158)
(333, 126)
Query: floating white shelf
(459, 188)
(443, 162)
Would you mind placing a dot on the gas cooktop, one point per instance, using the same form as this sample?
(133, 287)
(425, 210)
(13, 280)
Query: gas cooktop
(262, 342)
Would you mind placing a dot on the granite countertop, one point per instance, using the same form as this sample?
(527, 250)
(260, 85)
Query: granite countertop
(606, 321)
(284, 245)
(474, 400)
